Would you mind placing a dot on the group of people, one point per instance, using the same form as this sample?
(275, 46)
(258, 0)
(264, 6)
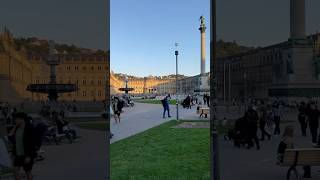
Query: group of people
(309, 116)
(261, 117)
(24, 135)
(48, 107)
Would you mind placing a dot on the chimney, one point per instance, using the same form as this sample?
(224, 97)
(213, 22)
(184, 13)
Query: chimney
(297, 19)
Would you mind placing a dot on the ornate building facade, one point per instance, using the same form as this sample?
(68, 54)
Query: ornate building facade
(18, 69)
(145, 85)
(272, 71)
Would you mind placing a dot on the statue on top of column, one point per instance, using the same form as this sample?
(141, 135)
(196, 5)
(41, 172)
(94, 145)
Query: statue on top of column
(202, 19)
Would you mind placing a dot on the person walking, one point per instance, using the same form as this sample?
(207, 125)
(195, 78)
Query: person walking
(165, 104)
(302, 118)
(313, 117)
(116, 108)
(24, 147)
(276, 118)
(252, 118)
(263, 121)
(189, 102)
(205, 99)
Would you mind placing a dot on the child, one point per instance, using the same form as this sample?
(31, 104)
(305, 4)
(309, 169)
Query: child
(286, 143)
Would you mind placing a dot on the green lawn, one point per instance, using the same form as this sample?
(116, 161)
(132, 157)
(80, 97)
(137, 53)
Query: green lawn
(82, 119)
(6, 172)
(155, 101)
(162, 153)
(101, 126)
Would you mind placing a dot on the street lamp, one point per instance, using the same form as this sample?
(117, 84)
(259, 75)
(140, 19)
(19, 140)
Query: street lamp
(177, 103)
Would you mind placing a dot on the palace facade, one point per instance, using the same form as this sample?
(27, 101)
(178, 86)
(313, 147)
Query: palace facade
(19, 68)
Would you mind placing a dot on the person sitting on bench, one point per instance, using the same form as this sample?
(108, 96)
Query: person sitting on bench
(287, 143)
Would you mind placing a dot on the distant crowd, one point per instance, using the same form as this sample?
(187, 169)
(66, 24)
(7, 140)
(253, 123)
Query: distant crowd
(265, 119)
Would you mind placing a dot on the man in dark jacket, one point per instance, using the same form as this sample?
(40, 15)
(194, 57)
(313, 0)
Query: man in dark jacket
(24, 148)
(302, 118)
(313, 117)
(252, 117)
(165, 104)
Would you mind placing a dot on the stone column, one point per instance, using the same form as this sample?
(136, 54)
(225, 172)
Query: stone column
(297, 19)
(203, 45)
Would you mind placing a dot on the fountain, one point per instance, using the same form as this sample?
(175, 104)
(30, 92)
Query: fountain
(52, 89)
(126, 89)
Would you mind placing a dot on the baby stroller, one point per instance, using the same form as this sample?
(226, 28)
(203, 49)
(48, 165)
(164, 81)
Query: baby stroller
(228, 130)
(184, 104)
(240, 132)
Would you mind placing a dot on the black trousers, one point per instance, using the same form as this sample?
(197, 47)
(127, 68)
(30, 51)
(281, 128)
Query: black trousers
(263, 129)
(277, 123)
(314, 132)
(252, 135)
(303, 125)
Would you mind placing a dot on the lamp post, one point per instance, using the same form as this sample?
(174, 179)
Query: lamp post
(214, 168)
(177, 103)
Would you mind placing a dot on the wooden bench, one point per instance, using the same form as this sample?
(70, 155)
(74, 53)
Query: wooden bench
(203, 111)
(300, 157)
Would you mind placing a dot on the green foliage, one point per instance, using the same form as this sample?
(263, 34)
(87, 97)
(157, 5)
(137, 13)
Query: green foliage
(101, 126)
(164, 153)
(230, 48)
(37, 46)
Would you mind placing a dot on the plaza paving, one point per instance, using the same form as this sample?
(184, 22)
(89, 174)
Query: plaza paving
(82, 160)
(144, 116)
(86, 159)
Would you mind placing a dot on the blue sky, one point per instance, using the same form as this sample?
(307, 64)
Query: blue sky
(143, 32)
(79, 22)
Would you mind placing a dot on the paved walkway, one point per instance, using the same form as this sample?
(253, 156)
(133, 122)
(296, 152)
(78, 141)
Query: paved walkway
(83, 160)
(144, 116)
(252, 164)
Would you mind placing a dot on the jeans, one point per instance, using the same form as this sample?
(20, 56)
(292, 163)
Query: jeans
(164, 111)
